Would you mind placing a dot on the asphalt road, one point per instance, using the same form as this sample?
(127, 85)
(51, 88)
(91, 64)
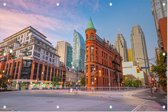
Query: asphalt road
(53, 100)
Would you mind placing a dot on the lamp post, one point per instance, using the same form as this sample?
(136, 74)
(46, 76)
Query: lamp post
(76, 71)
(109, 79)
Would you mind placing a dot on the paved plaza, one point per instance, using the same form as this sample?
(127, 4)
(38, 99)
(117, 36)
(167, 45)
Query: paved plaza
(63, 100)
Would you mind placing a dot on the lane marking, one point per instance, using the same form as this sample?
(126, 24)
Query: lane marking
(139, 106)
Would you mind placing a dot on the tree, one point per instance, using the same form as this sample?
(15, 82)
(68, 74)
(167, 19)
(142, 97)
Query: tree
(132, 82)
(4, 81)
(160, 69)
(56, 80)
(83, 81)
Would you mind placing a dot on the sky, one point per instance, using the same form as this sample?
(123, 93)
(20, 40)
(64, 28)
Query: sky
(57, 19)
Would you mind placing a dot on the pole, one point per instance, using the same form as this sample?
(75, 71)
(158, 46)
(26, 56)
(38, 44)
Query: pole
(76, 77)
(109, 78)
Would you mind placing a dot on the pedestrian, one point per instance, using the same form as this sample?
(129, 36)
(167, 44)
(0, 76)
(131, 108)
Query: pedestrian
(151, 88)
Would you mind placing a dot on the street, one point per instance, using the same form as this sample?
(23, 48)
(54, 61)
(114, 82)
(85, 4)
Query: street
(63, 100)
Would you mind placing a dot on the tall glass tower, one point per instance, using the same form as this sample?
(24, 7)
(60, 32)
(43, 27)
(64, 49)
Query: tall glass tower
(78, 56)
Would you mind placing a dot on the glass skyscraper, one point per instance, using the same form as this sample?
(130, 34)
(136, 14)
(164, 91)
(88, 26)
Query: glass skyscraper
(78, 56)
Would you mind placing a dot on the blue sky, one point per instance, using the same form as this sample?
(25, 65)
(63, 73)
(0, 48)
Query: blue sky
(58, 22)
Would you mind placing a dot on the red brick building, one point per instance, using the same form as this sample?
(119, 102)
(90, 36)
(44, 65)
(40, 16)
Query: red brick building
(103, 62)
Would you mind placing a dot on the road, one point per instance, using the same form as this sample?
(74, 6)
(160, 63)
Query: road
(53, 100)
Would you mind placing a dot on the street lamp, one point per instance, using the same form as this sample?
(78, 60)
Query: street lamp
(10, 50)
(164, 54)
(76, 71)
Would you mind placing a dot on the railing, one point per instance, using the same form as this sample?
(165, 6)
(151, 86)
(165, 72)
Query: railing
(91, 89)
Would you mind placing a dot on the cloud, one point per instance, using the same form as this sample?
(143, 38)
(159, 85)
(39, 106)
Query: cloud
(54, 22)
(13, 21)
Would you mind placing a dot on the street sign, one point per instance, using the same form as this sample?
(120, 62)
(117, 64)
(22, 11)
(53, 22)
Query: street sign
(144, 67)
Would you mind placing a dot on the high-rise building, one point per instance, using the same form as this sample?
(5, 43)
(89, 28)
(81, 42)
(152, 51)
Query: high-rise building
(121, 47)
(29, 57)
(130, 57)
(103, 62)
(64, 50)
(159, 11)
(139, 49)
(78, 56)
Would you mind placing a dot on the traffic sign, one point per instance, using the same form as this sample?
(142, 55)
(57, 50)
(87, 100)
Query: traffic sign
(144, 67)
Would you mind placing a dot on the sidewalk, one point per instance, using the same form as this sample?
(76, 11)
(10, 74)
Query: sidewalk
(149, 106)
(158, 99)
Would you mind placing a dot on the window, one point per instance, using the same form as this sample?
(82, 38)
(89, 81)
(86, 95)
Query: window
(36, 54)
(92, 68)
(96, 50)
(31, 47)
(86, 57)
(86, 36)
(86, 49)
(92, 57)
(38, 42)
(86, 68)
(92, 36)
(27, 38)
(96, 58)
(29, 53)
(39, 49)
(92, 49)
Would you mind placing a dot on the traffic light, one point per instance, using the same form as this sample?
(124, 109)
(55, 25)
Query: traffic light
(138, 69)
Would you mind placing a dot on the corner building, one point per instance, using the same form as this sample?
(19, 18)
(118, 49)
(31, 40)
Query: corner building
(103, 62)
(29, 57)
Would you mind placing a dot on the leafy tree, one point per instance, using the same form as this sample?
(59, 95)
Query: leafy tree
(83, 81)
(160, 69)
(4, 81)
(56, 80)
(132, 82)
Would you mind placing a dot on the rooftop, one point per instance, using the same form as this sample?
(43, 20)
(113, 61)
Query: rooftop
(90, 25)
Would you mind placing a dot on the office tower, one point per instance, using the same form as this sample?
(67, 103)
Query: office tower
(78, 57)
(64, 50)
(121, 47)
(139, 49)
